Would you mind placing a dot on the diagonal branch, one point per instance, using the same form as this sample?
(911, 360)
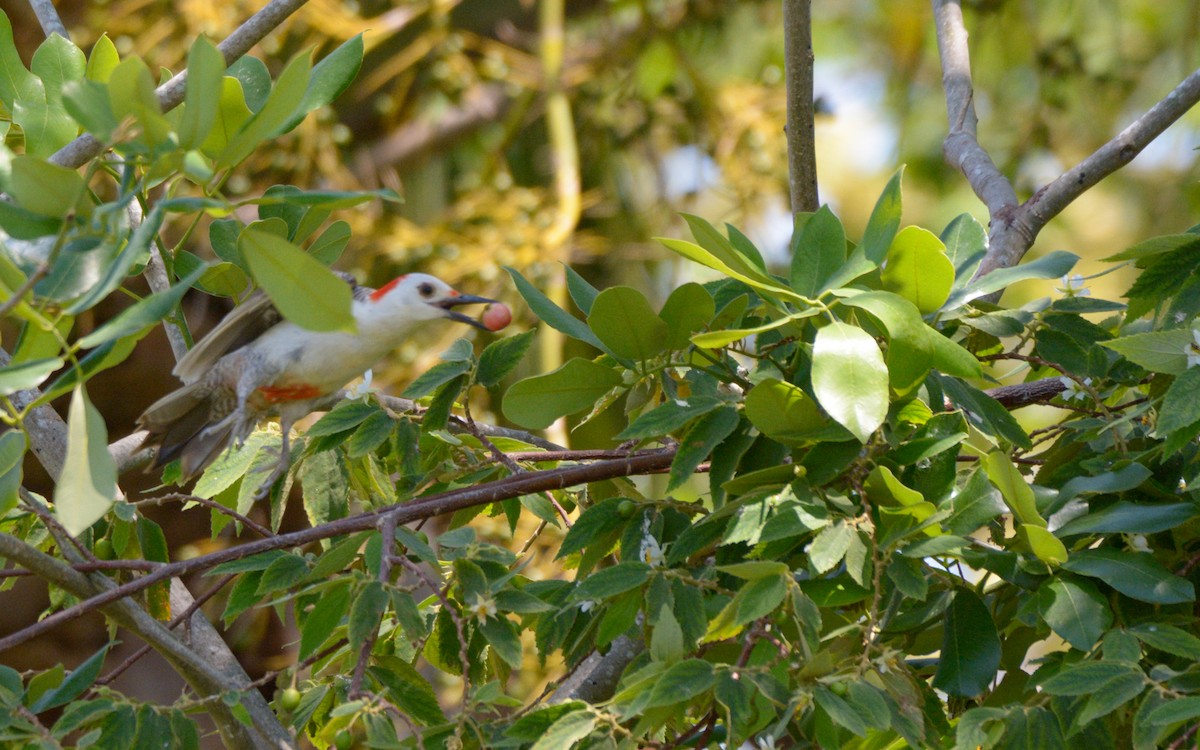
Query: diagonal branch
(170, 94)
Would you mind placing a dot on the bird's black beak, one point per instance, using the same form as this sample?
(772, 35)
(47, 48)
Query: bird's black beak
(450, 303)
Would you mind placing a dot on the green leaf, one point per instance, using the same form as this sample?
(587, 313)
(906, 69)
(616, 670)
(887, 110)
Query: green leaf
(756, 279)
(966, 244)
(985, 412)
(1075, 610)
(277, 111)
(537, 401)
(232, 114)
(1177, 711)
(725, 337)
(1167, 243)
(951, 358)
(131, 94)
(16, 82)
(370, 435)
(842, 713)
(328, 246)
(329, 79)
(1157, 351)
(669, 417)
(623, 319)
(910, 341)
(884, 221)
(24, 224)
(1017, 493)
(550, 313)
(103, 58)
(758, 598)
(666, 642)
(1168, 639)
(582, 293)
(829, 546)
(328, 612)
(1124, 517)
(79, 680)
(818, 252)
(850, 379)
(87, 486)
(1044, 545)
(45, 188)
(254, 78)
(46, 126)
(136, 250)
(306, 292)
(1137, 575)
(1084, 677)
(970, 647)
(501, 357)
(408, 689)
(284, 572)
(593, 523)
(365, 613)
(688, 309)
(1052, 265)
(205, 71)
(568, 730)
(229, 467)
(12, 451)
(705, 435)
(918, 270)
(1111, 696)
(144, 312)
(784, 412)
(680, 683)
(608, 582)
(439, 374)
(57, 61)
(1181, 406)
(26, 375)
(345, 416)
(713, 241)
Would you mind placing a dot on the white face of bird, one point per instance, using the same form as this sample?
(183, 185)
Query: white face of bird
(419, 296)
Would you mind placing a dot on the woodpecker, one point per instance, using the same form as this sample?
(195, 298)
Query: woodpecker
(255, 365)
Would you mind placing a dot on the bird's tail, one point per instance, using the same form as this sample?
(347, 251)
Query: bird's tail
(188, 425)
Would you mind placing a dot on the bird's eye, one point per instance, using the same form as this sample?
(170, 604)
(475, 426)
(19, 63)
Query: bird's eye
(426, 290)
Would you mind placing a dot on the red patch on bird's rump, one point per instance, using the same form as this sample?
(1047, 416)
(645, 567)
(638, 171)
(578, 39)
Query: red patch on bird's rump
(378, 293)
(298, 392)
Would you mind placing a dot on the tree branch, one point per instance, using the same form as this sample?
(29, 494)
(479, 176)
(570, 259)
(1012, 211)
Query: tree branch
(171, 93)
(961, 147)
(48, 17)
(1014, 227)
(206, 680)
(801, 140)
(648, 462)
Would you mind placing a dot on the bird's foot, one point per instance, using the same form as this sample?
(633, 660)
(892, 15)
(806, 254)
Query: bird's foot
(281, 468)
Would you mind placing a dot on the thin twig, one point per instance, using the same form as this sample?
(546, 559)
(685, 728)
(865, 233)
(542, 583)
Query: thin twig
(246, 521)
(387, 528)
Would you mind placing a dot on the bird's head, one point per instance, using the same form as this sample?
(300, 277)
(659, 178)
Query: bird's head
(418, 297)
